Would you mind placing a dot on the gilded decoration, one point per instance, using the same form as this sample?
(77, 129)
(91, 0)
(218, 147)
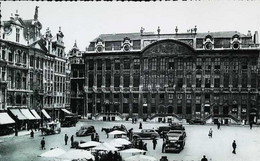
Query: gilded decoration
(168, 48)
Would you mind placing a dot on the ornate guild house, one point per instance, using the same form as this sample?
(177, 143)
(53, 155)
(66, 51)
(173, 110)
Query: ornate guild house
(211, 76)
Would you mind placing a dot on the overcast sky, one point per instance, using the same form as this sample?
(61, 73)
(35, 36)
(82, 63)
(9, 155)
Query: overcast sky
(84, 21)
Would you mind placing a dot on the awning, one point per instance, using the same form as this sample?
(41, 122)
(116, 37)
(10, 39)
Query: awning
(27, 114)
(66, 111)
(46, 114)
(6, 119)
(35, 114)
(18, 113)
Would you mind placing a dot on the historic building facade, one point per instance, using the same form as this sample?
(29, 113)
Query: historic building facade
(77, 80)
(33, 67)
(211, 76)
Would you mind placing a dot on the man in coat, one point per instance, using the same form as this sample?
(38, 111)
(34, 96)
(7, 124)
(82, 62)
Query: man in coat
(72, 140)
(43, 143)
(154, 143)
(66, 139)
(234, 145)
(204, 158)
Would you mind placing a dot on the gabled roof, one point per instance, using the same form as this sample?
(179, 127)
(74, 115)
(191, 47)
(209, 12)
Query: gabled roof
(41, 43)
(120, 36)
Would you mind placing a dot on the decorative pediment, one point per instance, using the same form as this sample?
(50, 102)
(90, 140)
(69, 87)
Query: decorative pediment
(168, 47)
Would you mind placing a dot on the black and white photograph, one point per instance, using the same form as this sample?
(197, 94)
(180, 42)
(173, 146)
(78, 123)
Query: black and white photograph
(130, 81)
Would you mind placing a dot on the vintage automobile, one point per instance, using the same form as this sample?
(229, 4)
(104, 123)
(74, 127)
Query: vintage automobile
(173, 133)
(163, 130)
(120, 128)
(145, 134)
(197, 121)
(175, 141)
(85, 131)
(69, 121)
(50, 128)
(174, 144)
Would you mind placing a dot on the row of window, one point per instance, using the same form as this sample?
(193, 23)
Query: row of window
(173, 63)
(153, 81)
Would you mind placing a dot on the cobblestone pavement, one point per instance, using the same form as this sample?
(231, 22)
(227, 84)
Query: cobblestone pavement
(24, 148)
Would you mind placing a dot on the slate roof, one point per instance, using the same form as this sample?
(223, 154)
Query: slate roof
(137, 36)
(120, 36)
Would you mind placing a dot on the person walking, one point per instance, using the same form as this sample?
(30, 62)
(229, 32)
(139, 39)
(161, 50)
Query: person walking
(72, 140)
(140, 125)
(204, 158)
(43, 143)
(251, 125)
(210, 133)
(145, 147)
(66, 139)
(163, 146)
(218, 125)
(234, 145)
(32, 134)
(154, 143)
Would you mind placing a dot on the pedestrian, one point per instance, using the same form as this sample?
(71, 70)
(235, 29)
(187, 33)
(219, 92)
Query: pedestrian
(16, 131)
(145, 148)
(218, 125)
(141, 144)
(72, 140)
(154, 143)
(204, 158)
(251, 124)
(66, 139)
(43, 143)
(140, 125)
(210, 133)
(92, 136)
(234, 145)
(163, 146)
(32, 134)
(97, 137)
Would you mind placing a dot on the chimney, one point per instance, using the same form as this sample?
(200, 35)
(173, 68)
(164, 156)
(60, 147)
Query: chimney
(11, 18)
(16, 15)
(249, 33)
(256, 38)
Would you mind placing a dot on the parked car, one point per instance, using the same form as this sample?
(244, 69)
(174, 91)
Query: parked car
(197, 121)
(175, 144)
(163, 130)
(175, 141)
(145, 134)
(85, 131)
(120, 128)
(176, 133)
(69, 121)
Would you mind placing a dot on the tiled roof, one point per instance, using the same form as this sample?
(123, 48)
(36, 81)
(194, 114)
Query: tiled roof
(120, 36)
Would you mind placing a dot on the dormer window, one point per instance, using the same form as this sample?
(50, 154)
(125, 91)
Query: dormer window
(236, 42)
(127, 44)
(99, 45)
(208, 42)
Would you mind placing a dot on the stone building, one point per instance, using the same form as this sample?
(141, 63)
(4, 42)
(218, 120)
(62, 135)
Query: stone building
(77, 81)
(33, 67)
(212, 76)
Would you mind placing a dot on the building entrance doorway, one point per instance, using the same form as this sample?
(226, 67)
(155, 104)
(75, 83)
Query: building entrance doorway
(225, 110)
(215, 110)
(252, 115)
(170, 109)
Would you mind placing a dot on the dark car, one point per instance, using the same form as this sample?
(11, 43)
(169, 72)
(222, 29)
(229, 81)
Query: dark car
(120, 128)
(163, 130)
(69, 121)
(85, 131)
(176, 145)
(197, 121)
(145, 134)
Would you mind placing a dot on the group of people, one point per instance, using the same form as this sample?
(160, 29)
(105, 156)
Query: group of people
(110, 156)
(95, 137)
